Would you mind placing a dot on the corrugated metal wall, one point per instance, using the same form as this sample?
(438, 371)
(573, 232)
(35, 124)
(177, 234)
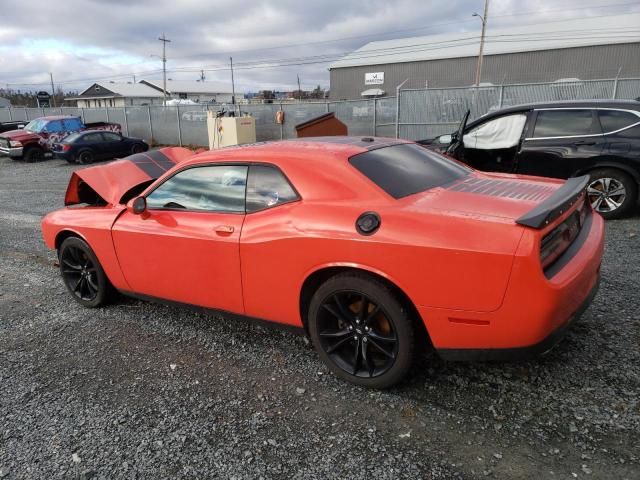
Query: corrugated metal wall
(602, 61)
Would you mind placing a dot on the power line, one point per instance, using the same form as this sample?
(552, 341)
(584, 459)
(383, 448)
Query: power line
(370, 53)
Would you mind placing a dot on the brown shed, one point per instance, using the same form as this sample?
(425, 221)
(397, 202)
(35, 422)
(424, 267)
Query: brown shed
(326, 125)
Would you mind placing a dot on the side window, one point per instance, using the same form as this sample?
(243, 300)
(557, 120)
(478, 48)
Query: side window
(92, 138)
(72, 124)
(216, 188)
(612, 120)
(563, 123)
(111, 137)
(267, 187)
(54, 126)
(502, 132)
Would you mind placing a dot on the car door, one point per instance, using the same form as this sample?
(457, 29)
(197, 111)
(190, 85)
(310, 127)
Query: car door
(493, 144)
(115, 145)
(185, 246)
(94, 142)
(560, 142)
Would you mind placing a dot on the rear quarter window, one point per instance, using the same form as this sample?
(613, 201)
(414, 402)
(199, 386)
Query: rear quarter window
(402, 170)
(612, 120)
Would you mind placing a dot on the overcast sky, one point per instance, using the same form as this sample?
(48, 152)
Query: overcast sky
(81, 41)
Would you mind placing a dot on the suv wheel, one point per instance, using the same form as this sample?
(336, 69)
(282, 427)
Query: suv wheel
(612, 193)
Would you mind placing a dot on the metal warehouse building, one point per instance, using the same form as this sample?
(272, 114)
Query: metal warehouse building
(588, 48)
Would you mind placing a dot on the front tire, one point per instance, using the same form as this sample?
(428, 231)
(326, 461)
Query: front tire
(137, 148)
(82, 273)
(361, 331)
(612, 193)
(34, 154)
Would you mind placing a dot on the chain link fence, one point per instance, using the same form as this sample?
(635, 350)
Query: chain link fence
(415, 114)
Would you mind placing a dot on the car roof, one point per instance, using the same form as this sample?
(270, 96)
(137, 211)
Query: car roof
(56, 117)
(317, 148)
(622, 104)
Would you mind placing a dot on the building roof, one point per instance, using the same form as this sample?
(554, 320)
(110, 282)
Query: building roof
(581, 32)
(188, 86)
(136, 90)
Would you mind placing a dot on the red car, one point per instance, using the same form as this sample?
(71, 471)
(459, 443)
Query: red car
(375, 247)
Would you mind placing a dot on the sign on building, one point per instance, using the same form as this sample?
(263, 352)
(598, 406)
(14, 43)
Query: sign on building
(375, 78)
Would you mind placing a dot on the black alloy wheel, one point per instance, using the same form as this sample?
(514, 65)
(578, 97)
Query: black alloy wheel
(85, 157)
(137, 148)
(82, 273)
(361, 330)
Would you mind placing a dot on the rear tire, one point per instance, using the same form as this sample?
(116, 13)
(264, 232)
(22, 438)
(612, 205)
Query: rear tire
(361, 331)
(85, 157)
(33, 154)
(82, 273)
(612, 193)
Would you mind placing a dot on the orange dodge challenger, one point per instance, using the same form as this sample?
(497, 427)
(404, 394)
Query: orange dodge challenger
(375, 247)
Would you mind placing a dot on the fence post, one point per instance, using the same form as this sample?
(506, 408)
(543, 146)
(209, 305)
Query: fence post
(107, 111)
(501, 96)
(26, 114)
(179, 125)
(126, 120)
(615, 88)
(284, 119)
(82, 114)
(398, 107)
(43, 114)
(150, 124)
(10, 114)
(327, 107)
(375, 121)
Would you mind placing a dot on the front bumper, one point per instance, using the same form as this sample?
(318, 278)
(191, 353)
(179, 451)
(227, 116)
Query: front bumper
(13, 152)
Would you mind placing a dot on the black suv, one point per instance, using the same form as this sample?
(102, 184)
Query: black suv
(561, 140)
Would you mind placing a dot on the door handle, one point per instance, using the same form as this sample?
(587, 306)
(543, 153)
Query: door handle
(224, 229)
(585, 142)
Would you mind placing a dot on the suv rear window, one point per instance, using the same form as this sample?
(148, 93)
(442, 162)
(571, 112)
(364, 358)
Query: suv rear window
(402, 170)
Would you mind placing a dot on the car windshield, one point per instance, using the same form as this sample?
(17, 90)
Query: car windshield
(405, 169)
(36, 125)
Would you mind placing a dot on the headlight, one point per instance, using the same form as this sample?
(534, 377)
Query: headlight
(15, 143)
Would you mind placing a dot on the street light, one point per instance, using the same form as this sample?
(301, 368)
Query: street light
(483, 19)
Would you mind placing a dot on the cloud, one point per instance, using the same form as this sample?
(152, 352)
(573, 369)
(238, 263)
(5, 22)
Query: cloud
(84, 40)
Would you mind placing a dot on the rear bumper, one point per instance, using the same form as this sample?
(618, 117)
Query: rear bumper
(13, 152)
(63, 155)
(519, 353)
(537, 307)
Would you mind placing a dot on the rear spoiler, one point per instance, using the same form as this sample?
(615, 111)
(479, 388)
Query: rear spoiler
(558, 203)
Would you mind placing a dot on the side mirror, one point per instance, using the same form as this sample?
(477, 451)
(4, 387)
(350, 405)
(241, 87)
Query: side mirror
(445, 139)
(137, 206)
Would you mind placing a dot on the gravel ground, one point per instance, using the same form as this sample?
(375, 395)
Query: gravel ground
(139, 390)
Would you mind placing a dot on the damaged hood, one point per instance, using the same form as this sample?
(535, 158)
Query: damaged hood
(110, 182)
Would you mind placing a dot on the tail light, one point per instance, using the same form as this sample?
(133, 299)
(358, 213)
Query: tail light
(556, 242)
(65, 147)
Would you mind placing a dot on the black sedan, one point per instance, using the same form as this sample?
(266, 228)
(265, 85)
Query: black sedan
(568, 139)
(89, 146)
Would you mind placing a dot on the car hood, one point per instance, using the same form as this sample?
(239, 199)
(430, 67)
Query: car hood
(497, 196)
(110, 182)
(19, 135)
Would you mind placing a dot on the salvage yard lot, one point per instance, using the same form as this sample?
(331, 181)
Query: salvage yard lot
(139, 390)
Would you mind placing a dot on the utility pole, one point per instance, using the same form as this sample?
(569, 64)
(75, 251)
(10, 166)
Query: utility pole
(483, 19)
(53, 91)
(233, 85)
(299, 89)
(134, 78)
(164, 41)
(202, 77)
